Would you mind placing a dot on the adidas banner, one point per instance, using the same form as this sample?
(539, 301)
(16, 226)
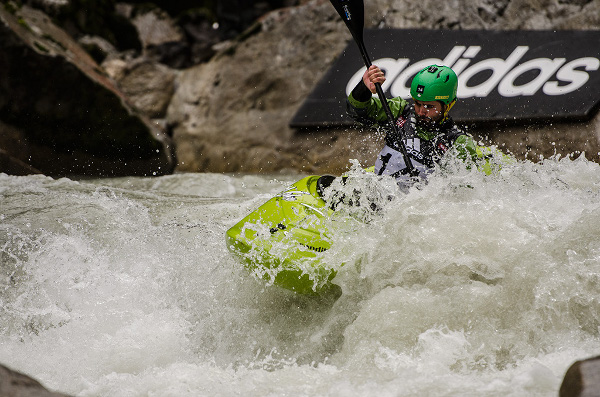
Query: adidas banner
(502, 75)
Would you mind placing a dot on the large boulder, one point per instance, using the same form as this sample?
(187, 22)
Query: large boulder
(61, 113)
(232, 113)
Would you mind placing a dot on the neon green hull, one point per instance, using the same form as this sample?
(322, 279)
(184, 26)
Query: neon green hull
(283, 240)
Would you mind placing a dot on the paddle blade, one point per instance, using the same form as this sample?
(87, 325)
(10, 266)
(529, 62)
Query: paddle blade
(353, 14)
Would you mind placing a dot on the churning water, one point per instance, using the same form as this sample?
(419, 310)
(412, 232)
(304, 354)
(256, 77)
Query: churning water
(471, 285)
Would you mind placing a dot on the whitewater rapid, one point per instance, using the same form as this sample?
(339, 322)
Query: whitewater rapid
(469, 285)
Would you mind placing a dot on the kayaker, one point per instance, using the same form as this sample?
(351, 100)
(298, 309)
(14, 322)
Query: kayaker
(427, 130)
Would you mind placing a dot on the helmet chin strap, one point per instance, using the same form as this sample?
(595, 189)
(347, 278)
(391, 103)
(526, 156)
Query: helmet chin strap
(447, 110)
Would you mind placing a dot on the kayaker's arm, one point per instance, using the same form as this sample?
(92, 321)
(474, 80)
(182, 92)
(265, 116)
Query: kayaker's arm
(366, 109)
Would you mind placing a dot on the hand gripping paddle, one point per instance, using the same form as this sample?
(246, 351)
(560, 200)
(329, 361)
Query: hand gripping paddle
(353, 15)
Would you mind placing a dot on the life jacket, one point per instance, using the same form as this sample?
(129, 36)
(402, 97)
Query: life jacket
(425, 148)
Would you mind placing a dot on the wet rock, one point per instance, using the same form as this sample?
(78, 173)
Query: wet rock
(16, 384)
(155, 27)
(98, 47)
(148, 85)
(232, 113)
(582, 379)
(72, 118)
(91, 18)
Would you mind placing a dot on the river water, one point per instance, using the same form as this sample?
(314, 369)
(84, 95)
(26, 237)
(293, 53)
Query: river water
(470, 285)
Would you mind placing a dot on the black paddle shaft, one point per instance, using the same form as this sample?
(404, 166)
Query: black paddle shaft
(353, 15)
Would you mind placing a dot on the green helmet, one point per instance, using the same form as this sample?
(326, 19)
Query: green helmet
(435, 83)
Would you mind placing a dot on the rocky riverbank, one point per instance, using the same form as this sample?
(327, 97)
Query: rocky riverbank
(181, 94)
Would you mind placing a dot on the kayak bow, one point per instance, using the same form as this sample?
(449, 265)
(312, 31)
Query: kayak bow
(284, 239)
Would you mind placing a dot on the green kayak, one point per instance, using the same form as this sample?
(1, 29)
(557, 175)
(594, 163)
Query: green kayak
(283, 240)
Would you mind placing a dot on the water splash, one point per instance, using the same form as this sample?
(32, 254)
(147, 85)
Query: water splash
(469, 284)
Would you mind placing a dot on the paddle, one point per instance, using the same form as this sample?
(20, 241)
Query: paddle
(353, 14)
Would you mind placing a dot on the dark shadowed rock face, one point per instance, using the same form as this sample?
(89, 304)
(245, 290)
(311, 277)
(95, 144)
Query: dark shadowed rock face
(16, 384)
(582, 379)
(70, 117)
